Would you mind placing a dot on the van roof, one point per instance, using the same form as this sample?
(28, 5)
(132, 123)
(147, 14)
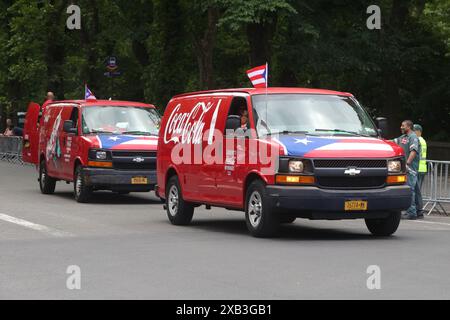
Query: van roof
(90, 103)
(270, 90)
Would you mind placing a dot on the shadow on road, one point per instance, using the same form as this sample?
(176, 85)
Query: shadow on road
(114, 198)
(295, 231)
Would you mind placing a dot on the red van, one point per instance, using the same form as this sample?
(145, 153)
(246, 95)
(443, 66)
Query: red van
(279, 154)
(97, 144)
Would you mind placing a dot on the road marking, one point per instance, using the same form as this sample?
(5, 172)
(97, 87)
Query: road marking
(430, 222)
(34, 226)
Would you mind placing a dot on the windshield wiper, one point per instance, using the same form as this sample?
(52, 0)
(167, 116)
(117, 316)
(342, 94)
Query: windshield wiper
(287, 132)
(144, 133)
(100, 131)
(343, 131)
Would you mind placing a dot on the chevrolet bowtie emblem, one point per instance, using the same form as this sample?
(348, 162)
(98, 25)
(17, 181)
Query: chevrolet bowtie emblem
(138, 160)
(352, 171)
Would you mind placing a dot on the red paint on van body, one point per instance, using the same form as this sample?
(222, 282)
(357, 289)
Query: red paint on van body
(63, 151)
(225, 186)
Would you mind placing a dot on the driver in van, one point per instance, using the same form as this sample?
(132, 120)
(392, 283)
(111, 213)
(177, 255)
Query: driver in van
(243, 113)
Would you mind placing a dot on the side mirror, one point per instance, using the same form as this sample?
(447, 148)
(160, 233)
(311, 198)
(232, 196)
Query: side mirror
(68, 127)
(382, 125)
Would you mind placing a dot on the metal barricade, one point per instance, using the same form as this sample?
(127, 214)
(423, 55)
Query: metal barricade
(436, 187)
(427, 184)
(11, 149)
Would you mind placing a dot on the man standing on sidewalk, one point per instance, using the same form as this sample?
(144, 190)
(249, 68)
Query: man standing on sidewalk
(410, 145)
(422, 169)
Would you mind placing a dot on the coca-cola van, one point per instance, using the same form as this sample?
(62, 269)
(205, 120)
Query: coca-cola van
(97, 144)
(279, 154)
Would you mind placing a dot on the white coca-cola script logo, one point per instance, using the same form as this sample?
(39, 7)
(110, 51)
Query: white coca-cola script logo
(188, 127)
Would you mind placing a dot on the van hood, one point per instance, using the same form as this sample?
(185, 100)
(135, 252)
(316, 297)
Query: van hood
(337, 147)
(125, 142)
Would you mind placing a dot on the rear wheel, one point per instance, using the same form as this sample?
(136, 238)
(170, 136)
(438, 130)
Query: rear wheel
(261, 219)
(82, 192)
(179, 211)
(47, 184)
(384, 227)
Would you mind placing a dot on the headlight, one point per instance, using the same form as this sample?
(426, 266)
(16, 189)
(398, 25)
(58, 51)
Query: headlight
(394, 166)
(296, 166)
(101, 155)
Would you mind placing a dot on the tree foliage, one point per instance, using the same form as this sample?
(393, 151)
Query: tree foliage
(167, 47)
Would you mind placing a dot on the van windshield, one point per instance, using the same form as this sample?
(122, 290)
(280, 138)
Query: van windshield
(120, 120)
(310, 114)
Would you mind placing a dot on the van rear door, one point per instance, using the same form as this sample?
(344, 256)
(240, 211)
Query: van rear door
(31, 134)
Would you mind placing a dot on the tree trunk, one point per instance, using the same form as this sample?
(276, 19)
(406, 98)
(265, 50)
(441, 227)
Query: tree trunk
(88, 39)
(259, 36)
(204, 48)
(55, 52)
(391, 74)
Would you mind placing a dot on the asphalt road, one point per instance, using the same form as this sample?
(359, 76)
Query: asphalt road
(126, 249)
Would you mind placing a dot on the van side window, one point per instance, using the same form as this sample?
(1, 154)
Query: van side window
(74, 117)
(238, 115)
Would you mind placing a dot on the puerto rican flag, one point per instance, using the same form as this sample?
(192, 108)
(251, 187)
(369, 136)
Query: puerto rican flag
(127, 142)
(334, 147)
(259, 76)
(88, 95)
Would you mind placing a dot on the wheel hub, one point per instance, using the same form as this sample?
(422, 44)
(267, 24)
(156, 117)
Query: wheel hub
(173, 201)
(78, 184)
(255, 209)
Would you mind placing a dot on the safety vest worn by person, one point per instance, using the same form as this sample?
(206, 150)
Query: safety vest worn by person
(423, 155)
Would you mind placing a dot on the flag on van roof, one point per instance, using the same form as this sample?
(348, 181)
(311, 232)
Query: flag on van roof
(259, 76)
(88, 95)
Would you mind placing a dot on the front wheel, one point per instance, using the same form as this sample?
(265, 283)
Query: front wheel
(384, 227)
(47, 184)
(82, 192)
(179, 211)
(261, 219)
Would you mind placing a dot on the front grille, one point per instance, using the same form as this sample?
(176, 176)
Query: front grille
(149, 154)
(134, 160)
(345, 163)
(351, 182)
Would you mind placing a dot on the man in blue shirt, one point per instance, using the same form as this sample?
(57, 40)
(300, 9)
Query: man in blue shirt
(411, 146)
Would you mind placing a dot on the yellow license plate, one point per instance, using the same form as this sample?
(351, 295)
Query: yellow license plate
(139, 180)
(355, 205)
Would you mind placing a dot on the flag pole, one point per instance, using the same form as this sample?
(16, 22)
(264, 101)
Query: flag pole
(267, 85)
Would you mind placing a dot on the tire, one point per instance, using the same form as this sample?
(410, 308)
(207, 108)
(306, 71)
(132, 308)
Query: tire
(287, 219)
(123, 193)
(81, 191)
(262, 221)
(47, 184)
(179, 211)
(384, 227)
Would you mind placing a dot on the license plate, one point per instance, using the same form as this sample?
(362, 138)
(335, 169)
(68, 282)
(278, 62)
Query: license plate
(355, 205)
(139, 180)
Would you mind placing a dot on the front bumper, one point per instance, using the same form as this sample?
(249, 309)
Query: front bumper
(118, 180)
(316, 203)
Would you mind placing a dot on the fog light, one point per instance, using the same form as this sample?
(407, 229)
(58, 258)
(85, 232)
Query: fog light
(100, 164)
(295, 179)
(396, 179)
